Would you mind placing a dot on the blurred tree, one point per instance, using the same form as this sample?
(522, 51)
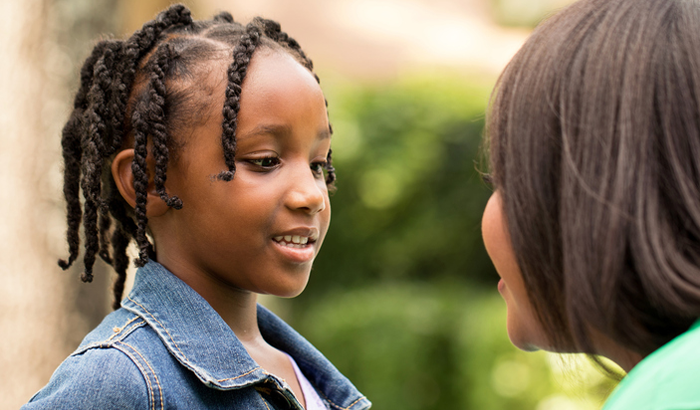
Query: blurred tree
(136, 12)
(524, 13)
(409, 198)
(441, 346)
(75, 26)
(43, 43)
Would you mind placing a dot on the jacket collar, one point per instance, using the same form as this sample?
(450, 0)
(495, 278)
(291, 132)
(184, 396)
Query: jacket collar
(201, 341)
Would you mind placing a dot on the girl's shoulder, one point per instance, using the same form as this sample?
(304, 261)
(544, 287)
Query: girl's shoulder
(98, 378)
(666, 379)
(110, 369)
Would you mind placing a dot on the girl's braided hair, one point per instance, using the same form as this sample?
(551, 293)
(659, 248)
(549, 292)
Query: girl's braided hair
(122, 98)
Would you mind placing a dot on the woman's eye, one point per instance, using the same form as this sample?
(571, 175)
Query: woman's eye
(268, 162)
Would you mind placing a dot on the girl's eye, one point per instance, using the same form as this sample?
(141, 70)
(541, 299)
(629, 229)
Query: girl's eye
(317, 168)
(267, 162)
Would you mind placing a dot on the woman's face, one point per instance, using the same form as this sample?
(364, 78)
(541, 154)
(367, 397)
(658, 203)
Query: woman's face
(524, 330)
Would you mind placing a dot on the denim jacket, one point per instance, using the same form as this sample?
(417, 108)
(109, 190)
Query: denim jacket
(166, 347)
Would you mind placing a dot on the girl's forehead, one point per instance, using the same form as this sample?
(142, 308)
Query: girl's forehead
(208, 82)
(269, 66)
(276, 89)
(275, 80)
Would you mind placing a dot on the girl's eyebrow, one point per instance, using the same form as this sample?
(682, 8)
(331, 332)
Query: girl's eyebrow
(324, 134)
(262, 129)
(281, 130)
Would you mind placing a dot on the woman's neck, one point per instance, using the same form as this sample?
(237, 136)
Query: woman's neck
(623, 357)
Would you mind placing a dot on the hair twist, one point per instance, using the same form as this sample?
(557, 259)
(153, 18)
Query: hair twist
(242, 54)
(139, 169)
(158, 130)
(73, 155)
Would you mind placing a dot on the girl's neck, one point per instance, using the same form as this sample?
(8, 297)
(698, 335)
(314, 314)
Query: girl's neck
(239, 313)
(237, 307)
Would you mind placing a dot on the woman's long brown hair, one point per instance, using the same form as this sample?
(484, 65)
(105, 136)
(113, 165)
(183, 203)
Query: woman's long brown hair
(594, 144)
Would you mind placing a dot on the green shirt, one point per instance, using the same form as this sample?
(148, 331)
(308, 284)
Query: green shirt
(667, 379)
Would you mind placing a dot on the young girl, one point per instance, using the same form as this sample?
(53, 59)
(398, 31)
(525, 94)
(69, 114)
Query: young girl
(208, 144)
(594, 225)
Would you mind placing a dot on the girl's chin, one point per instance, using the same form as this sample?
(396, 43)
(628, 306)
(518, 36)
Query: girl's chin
(287, 290)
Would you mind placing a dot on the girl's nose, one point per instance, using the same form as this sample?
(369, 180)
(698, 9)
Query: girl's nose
(307, 193)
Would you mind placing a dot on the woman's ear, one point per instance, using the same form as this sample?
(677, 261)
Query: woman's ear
(124, 179)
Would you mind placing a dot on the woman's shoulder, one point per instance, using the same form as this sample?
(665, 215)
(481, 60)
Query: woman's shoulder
(667, 379)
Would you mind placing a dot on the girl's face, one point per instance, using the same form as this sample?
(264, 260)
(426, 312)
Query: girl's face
(524, 329)
(261, 231)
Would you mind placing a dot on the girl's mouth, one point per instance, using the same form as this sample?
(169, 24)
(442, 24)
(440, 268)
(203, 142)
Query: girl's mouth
(296, 248)
(295, 241)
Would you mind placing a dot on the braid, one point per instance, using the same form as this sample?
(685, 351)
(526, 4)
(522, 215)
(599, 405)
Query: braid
(143, 40)
(105, 149)
(121, 237)
(72, 155)
(71, 186)
(106, 78)
(93, 147)
(139, 169)
(242, 54)
(273, 30)
(224, 17)
(118, 209)
(158, 129)
(120, 241)
(137, 47)
(118, 101)
(105, 225)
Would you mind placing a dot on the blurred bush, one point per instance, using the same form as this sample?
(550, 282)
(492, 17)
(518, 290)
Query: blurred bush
(403, 296)
(409, 199)
(442, 346)
(524, 13)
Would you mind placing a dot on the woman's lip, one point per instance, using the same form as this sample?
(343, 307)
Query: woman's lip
(298, 255)
(501, 286)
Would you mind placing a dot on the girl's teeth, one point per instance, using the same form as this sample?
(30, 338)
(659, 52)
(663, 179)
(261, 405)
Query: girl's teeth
(294, 241)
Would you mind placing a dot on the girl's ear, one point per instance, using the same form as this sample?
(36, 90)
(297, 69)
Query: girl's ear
(124, 178)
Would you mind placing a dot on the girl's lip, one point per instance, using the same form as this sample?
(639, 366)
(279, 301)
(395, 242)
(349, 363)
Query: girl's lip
(297, 255)
(309, 232)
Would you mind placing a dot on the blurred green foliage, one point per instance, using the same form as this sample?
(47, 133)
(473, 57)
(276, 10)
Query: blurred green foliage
(409, 200)
(524, 13)
(414, 346)
(403, 296)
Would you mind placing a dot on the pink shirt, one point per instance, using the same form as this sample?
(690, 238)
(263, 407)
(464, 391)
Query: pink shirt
(313, 400)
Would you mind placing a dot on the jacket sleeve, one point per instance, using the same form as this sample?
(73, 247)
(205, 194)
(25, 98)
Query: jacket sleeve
(99, 378)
